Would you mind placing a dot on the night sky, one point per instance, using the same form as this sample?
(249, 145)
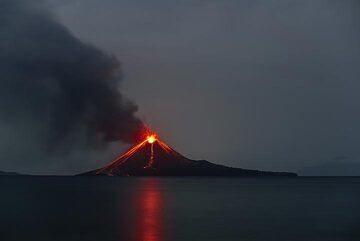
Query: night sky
(270, 85)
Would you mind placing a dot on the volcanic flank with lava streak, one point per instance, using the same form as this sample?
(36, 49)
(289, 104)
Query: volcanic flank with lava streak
(152, 157)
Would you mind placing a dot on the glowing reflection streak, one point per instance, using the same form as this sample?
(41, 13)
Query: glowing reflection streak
(149, 226)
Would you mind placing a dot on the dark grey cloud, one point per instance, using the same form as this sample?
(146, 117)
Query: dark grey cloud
(266, 84)
(261, 84)
(58, 95)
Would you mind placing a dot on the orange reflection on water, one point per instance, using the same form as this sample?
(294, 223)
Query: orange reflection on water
(148, 221)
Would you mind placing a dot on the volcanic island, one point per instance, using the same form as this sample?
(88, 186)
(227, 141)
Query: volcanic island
(152, 157)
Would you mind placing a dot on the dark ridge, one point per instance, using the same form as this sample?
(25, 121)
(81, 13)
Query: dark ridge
(2, 173)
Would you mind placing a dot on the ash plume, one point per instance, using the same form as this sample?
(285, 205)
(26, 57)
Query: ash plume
(56, 90)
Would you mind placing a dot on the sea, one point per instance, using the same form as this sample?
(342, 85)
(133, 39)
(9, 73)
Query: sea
(84, 208)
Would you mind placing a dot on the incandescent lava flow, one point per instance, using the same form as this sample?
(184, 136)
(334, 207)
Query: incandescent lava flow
(152, 157)
(151, 153)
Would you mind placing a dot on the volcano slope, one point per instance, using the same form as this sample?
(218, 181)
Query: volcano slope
(152, 157)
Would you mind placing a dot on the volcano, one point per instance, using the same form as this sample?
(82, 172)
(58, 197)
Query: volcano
(152, 157)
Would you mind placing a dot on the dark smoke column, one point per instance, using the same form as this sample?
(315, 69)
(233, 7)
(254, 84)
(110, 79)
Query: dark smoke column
(58, 85)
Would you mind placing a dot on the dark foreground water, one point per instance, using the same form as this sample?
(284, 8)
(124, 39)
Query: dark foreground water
(183, 209)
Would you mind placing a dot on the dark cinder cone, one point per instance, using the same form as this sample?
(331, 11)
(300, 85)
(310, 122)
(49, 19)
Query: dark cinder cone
(158, 159)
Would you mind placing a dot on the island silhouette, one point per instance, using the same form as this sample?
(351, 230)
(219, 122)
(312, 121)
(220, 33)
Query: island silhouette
(152, 157)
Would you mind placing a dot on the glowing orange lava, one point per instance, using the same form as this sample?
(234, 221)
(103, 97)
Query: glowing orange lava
(151, 138)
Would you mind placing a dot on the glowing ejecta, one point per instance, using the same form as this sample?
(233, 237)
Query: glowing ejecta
(151, 138)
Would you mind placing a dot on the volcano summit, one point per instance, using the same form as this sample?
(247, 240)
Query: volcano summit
(152, 157)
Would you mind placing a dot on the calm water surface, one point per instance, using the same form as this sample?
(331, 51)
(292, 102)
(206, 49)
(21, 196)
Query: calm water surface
(179, 209)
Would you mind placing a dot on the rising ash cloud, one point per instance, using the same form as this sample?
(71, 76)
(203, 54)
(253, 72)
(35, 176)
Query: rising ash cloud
(57, 93)
(274, 82)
